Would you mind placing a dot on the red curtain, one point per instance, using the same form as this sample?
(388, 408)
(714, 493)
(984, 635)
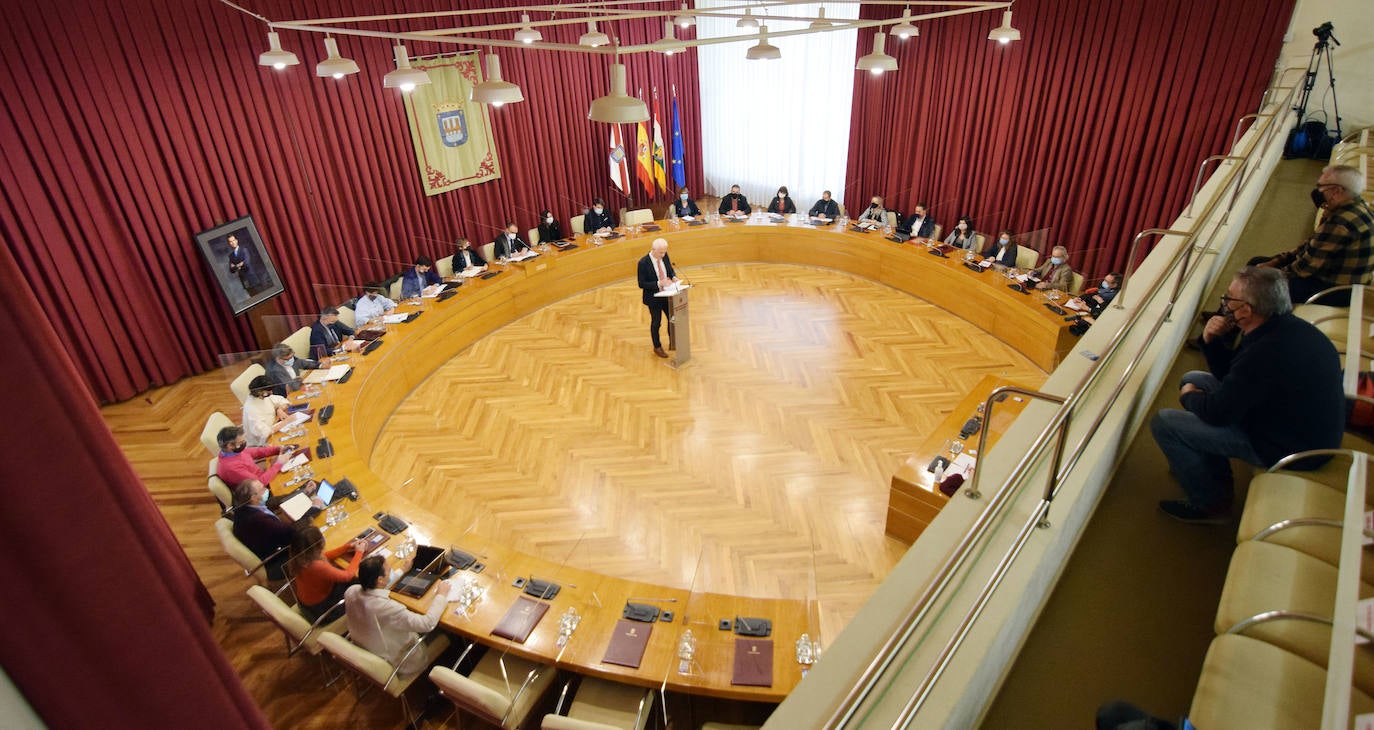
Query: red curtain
(106, 623)
(130, 126)
(1088, 130)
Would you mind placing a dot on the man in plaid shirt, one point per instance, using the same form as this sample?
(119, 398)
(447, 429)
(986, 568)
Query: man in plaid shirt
(1340, 251)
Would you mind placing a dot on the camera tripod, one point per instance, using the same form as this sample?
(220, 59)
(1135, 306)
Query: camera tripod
(1310, 138)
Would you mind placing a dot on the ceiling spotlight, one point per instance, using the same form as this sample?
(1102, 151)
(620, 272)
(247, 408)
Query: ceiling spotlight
(820, 21)
(593, 37)
(494, 91)
(335, 65)
(669, 44)
(274, 56)
(685, 20)
(747, 21)
(877, 61)
(404, 77)
(764, 51)
(617, 107)
(1003, 33)
(527, 34)
(905, 29)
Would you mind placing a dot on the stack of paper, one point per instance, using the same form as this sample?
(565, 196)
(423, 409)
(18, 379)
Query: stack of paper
(322, 375)
(296, 506)
(394, 318)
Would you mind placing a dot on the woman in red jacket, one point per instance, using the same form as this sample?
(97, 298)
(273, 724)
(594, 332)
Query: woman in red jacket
(320, 585)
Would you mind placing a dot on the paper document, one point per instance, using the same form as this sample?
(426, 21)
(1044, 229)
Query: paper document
(1022, 278)
(321, 375)
(294, 420)
(985, 263)
(432, 291)
(962, 464)
(1364, 618)
(674, 288)
(394, 318)
(688, 218)
(1075, 304)
(296, 461)
(526, 254)
(296, 506)
(472, 271)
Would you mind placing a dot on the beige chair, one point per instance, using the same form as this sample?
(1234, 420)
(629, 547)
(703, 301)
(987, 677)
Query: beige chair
(501, 690)
(209, 436)
(248, 560)
(892, 219)
(1247, 684)
(298, 632)
(348, 317)
(1281, 597)
(299, 342)
(443, 267)
(532, 235)
(639, 216)
(220, 491)
(1026, 257)
(602, 705)
(982, 242)
(1298, 513)
(576, 223)
(239, 386)
(936, 231)
(1076, 284)
(489, 251)
(379, 671)
(394, 293)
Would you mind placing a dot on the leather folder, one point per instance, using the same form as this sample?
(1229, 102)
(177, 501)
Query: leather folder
(520, 620)
(753, 663)
(628, 642)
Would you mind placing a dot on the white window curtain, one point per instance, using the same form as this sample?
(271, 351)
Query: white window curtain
(765, 124)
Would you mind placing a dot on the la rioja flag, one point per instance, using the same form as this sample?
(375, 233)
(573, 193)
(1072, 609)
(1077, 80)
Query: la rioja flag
(620, 169)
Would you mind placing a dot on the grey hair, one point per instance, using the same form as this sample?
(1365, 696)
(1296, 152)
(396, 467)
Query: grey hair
(1060, 249)
(1265, 290)
(281, 350)
(1347, 177)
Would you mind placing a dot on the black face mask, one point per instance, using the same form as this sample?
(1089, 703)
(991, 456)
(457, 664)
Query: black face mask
(872, 205)
(1318, 199)
(239, 448)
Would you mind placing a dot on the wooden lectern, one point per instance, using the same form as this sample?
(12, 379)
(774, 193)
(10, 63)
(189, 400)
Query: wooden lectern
(679, 336)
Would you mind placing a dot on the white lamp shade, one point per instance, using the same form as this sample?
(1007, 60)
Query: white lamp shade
(494, 91)
(617, 107)
(1004, 33)
(684, 20)
(763, 51)
(527, 34)
(820, 21)
(335, 65)
(877, 62)
(593, 37)
(669, 44)
(274, 56)
(747, 21)
(404, 77)
(905, 29)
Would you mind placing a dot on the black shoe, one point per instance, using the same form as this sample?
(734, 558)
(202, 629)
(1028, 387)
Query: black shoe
(1184, 511)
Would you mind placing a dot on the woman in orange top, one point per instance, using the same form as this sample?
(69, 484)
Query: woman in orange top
(320, 585)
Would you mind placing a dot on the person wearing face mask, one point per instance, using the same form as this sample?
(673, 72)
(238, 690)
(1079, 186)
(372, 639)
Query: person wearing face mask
(598, 219)
(467, 257)
(825, 209)
(963, 236)
(1277, 392)
(238, 461)
(782, 204)
(417, 278)
(1341, 250)
(286, 370)
(684, 206)
(1003, 250)
(508, 243)
(735, 203)
(874, 216)
(550, 230)
(1093, 302)
(263, 412)
(329, 335)
(372, 305)
(919, 225)
(259, 529)
(1055, 273)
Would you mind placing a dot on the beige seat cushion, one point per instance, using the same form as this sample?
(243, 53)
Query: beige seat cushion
(376, 668)
(246, 559)
(300, 342)
(601, 703)
(636, 217)
(349, 317)
(1247, 684)
(487, 692)
(444, 267)
(1279, 496)
(239, 386)
(290, 620)
(209, 436)
(1267, 577)
(576, 223)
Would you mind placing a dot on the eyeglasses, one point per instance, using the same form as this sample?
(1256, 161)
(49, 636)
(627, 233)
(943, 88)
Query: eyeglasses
(1321, 185)
(1225, 299)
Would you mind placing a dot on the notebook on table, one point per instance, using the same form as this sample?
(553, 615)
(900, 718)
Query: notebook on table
(753, 663)
(628, 641)
(520, 620)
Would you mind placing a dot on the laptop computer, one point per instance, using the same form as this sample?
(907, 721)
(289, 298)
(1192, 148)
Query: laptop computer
(428, 568)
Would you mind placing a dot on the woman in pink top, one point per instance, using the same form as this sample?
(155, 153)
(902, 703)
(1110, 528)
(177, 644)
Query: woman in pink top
(320, 585)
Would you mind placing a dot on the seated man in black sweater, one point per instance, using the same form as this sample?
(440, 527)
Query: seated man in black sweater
(1277, 392)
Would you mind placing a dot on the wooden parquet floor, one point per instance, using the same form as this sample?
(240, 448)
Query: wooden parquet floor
(761, 468)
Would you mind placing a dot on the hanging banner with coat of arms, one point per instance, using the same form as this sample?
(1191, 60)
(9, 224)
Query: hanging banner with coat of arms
(452, 136)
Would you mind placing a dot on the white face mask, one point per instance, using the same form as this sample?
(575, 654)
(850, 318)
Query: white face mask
(597, 209)
(963, 226)
(1004, 241)
(683, 197)
(549, 220)
(510, 236)
(782, 195)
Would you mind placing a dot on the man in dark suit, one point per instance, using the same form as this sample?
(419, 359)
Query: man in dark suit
(467, 256)
(919, 225)
(285, 369)
(1002, 251)
(656, 274)
(598, 219)
(328, 334)
(825, 208)
(508, 243)
(415, 279)
(735, 203)
(259, 529)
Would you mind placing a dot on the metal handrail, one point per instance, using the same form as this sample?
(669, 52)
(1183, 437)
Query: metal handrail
(1265, 617)
(988, 404)
(1119, 301)
(868, 679)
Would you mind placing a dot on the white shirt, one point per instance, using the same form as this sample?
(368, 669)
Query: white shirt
(383, 626)
(258, 416)
(370, 309)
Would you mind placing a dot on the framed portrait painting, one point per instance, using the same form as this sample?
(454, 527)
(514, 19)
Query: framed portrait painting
(236, 256)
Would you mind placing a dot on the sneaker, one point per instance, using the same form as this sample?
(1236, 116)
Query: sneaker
(1184, 511)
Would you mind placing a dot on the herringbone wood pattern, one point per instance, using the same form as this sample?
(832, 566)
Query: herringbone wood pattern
(768, 455)
(774, 445)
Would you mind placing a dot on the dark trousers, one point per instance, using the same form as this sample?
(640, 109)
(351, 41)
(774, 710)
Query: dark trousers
(1301, 288)
(658, 308)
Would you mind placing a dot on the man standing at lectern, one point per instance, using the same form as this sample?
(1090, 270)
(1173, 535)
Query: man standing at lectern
(656, 274)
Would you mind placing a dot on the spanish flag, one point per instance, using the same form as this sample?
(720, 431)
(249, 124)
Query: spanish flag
(644, 171)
